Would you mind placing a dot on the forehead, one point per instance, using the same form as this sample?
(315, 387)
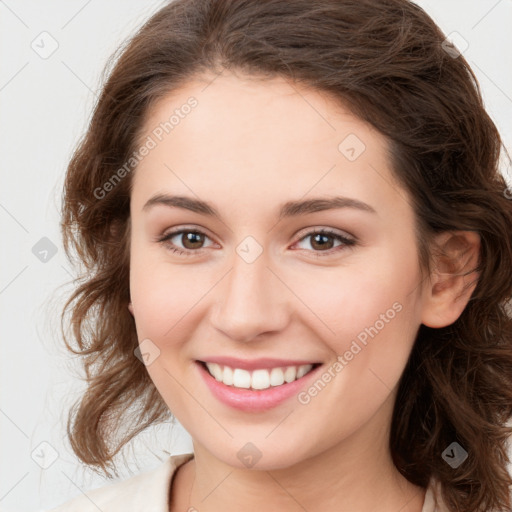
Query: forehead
(254, 139)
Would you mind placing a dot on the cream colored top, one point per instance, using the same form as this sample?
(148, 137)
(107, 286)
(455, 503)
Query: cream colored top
(148, 492)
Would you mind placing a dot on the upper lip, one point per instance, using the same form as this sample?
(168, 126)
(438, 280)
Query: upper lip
(255, 364)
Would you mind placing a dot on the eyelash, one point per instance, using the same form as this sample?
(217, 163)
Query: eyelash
(347, 242)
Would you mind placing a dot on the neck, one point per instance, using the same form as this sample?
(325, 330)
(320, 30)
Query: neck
(354, 475)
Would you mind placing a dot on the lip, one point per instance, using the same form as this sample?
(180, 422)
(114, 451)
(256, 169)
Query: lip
(249, 400)
(263, 363)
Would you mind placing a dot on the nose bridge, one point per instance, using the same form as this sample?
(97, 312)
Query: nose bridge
(251, 299)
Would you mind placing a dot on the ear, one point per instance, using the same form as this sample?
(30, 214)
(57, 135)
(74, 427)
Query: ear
(453, 278)
(130, 307)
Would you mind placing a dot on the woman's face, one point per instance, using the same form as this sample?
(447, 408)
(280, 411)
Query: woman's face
(255, 281)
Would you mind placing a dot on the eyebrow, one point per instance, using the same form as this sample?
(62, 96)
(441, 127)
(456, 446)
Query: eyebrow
(288, 209)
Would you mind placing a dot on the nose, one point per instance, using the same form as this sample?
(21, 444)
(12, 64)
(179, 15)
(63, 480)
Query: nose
(251, 301)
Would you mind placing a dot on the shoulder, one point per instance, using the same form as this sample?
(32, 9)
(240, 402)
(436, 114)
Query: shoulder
(433, 499)
(145, 492)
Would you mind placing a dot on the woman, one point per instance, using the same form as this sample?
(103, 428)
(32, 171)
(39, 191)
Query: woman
(297, 243)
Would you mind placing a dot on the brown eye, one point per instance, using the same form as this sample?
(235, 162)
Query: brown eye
(322, 242)
(192, 239)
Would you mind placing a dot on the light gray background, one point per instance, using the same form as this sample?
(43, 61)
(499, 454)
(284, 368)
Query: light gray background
(45, 104)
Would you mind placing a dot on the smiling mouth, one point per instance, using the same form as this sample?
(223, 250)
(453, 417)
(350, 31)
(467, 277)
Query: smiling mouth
(258, 379)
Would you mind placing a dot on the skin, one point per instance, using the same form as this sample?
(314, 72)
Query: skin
(248, 147)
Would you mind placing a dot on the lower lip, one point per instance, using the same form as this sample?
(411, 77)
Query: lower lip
(250, 400)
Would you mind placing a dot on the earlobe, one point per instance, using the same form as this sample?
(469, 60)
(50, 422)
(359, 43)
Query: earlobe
(453, 278)
(130, 307)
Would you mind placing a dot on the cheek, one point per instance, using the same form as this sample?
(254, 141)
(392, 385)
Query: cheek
(369, 316)
(346, 302)
(159, 302)
(163, 297)
(374, 334)
(167, 297)
(152, 296)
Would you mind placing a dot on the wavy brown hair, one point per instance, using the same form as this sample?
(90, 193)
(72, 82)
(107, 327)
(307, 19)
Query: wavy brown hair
(387, 61)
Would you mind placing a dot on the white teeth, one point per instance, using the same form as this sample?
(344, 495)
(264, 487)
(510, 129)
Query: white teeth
(260, 379)
(241, 378)
(257, 379)
(290, 373)
(303, 370)
(226, 376)
(276, 377)
(216, 371)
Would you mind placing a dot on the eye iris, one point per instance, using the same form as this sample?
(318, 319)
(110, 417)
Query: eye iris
(190, 237)
(322, 245)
